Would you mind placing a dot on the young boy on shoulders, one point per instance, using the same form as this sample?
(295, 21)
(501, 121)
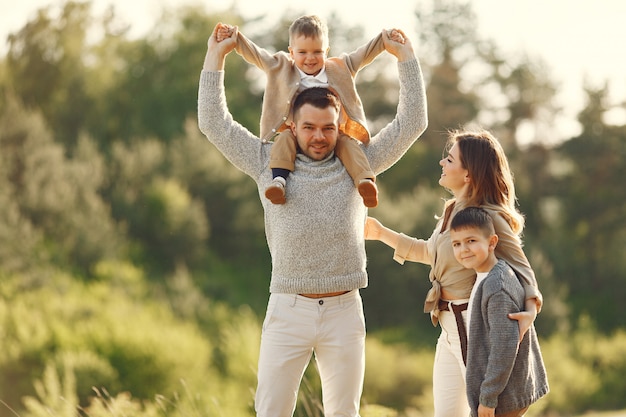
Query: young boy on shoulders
(307, 65)
(504, 375)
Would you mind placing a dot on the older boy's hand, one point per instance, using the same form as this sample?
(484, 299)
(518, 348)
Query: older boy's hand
(486, 411)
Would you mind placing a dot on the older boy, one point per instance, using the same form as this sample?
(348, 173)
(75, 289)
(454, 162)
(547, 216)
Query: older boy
(504, 375)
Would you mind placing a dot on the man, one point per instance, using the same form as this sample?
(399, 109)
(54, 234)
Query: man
(316, 237)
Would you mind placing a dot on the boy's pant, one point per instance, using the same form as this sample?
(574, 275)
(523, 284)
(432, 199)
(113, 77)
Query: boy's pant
(294, 328)
(348, 150)
(449, 370)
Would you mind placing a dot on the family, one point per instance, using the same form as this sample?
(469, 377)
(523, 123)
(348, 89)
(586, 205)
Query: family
(315, 166)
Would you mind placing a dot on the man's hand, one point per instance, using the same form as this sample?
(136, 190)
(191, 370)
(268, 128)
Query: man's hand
(217, 50)
(395, 35)
(224, 31)
(398, 44)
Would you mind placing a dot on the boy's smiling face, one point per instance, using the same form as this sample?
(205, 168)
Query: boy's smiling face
(308, 53)
(473, 248)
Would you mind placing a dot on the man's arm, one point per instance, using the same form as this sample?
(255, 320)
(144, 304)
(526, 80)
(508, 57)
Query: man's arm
(244, 150)
(411, 120)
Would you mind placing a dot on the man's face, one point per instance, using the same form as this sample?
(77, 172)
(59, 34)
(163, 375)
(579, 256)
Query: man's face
(309, 54)
(316, 130)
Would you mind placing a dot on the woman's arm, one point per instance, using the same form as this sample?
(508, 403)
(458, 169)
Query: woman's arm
(406, 248)
(510, 249)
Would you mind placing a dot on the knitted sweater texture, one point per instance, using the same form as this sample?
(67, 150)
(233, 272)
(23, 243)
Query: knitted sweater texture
(315, 239)
(501, 373)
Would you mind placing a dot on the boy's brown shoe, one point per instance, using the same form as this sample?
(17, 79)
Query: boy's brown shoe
(368, 190)
(276, 191)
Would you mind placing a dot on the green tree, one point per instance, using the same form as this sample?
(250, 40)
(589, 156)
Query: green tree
(47, 70)
(589, 249)
(54, 199)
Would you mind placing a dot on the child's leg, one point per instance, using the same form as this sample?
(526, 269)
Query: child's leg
(282, 162)
(349, 151)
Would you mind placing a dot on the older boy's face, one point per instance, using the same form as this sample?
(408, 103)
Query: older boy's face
(316, 130)
(473, 248)
(309, 54)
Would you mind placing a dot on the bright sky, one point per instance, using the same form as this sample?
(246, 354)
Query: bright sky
(579, 39)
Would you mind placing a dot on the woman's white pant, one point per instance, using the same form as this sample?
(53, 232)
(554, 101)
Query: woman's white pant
(294, 328)
(449, 370)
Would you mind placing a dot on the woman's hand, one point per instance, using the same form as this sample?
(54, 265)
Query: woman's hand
(526, 318)
(372, 229)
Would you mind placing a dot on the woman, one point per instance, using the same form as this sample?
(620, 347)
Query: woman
(476, 172)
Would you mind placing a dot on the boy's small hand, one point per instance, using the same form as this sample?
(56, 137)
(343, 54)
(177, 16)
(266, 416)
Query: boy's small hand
(224, 31)
(395, 35)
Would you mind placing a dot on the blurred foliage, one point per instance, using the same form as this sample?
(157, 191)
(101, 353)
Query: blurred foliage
(134, 270)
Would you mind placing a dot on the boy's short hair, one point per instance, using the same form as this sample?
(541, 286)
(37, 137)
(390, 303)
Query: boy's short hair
(319, 97)
(473, 217)
(310, 26)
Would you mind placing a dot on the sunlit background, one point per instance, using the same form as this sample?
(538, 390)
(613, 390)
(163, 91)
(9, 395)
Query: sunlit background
(132, 254)
(579, 40)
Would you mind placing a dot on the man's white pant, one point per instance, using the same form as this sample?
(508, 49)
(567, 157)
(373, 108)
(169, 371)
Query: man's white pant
(294, 328)
(449, 370)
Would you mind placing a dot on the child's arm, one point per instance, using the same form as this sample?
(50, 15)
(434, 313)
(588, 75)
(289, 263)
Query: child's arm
(249, 51)
(386, 40)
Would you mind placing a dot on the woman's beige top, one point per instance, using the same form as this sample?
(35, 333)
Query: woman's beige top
(446, 273)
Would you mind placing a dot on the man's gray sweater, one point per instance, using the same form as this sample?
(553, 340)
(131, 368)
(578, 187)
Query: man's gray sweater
(316, 238)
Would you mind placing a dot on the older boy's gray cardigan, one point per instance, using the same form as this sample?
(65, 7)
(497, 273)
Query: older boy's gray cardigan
(500, 373)
(315, 239)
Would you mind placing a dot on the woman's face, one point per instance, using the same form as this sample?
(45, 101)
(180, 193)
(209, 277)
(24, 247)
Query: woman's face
(453, 176)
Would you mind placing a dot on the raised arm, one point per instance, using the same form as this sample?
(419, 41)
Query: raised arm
(216, 51)
(243, 149)
(411, 120)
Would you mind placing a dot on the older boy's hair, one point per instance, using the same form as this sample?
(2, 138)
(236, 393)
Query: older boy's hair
(310, 27)
(319, 97)
(473, 217)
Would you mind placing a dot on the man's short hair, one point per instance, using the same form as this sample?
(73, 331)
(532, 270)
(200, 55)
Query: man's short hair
(473, 217)
(319, 97)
